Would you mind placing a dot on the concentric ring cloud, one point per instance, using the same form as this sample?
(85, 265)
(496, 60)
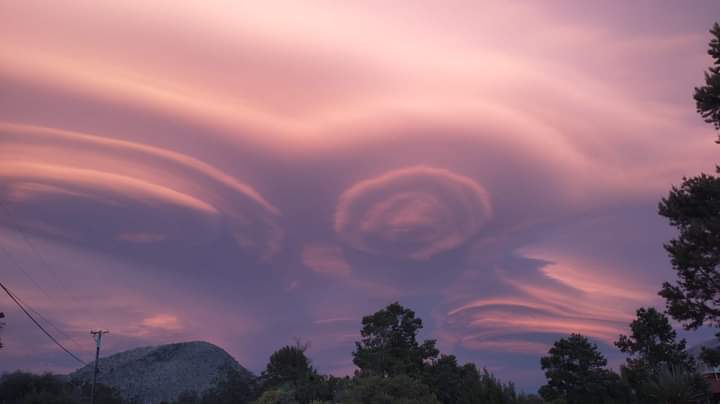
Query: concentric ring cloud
(414, 212)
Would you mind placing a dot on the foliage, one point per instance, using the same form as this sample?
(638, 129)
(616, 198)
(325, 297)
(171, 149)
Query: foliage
(694, 209)
(27, 388)
(278, 395)
(652, 346)
(576, 373)
(707, 97)
(401, 389)
(389, 345)
(287, 365)
(673, 385)
(233, 387)
(455, 384)
(18, 386)
(188, 397)
(290, 369)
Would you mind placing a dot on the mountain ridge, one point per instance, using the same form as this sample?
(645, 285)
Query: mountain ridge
(153, 374)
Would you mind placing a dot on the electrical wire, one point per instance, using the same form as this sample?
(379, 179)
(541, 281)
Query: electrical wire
(27, 274)
(52, 338)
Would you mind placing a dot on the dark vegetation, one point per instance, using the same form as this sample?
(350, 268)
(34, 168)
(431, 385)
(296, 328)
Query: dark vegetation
(27, 388)
(395, 368)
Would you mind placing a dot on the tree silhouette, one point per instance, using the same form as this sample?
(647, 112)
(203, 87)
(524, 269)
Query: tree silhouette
(389, 343)
(576, 373)
(652, 346)
(287, 365)
(707, 97)
(694, 209)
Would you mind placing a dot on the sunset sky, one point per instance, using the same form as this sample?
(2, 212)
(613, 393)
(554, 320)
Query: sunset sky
(248, 172)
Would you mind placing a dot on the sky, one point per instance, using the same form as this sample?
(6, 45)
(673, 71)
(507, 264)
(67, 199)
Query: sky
(250, 173)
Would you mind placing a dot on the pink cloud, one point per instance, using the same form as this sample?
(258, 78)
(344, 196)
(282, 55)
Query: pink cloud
(162, 321)
(326, 259)
(414, 212)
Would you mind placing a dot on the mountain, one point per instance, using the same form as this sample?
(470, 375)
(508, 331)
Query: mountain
(161, 373)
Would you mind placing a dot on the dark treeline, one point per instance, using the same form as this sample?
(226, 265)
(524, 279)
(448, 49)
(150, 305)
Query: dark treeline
(393, 368)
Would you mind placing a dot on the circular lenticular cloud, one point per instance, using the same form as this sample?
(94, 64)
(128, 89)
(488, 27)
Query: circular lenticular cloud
(413, 212)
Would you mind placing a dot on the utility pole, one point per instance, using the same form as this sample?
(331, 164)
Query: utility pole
(97, 336)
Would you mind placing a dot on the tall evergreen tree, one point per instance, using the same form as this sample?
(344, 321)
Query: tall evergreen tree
(389, 343)
(652, 347)
(287, 365)
(290, 371)
(694, 209)
(576, 374)
(653, 344)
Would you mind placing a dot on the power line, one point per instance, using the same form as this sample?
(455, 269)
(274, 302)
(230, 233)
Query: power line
(17, 302)
(44, 292)
(5, 208)
(22, 269)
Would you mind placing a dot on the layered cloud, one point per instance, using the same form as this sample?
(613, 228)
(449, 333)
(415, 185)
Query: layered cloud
(106, 177)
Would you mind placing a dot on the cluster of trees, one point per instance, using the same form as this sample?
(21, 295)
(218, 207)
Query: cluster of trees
(659, 369)
(27, 388)
(694, 209)
(393, 368)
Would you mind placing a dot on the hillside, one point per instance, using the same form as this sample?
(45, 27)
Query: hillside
(161, 373)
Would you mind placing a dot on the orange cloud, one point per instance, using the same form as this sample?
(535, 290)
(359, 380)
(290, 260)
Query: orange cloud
(162, 321)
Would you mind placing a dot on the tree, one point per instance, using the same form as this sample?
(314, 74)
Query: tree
(694, 209)
(375, 389)
(576, 373)
(233, 387)
(707, 97)
(673, 385)
(290, 371)
(287, 365)
(27, 388)
(455, 384)
(389, 343)
(277, 396)
(652, 346)
(447, 379)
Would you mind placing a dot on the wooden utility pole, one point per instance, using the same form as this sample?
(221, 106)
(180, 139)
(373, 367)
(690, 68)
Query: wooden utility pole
(97, 335)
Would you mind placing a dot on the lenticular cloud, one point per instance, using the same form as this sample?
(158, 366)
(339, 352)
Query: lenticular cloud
(124, 185)
(412, 213)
